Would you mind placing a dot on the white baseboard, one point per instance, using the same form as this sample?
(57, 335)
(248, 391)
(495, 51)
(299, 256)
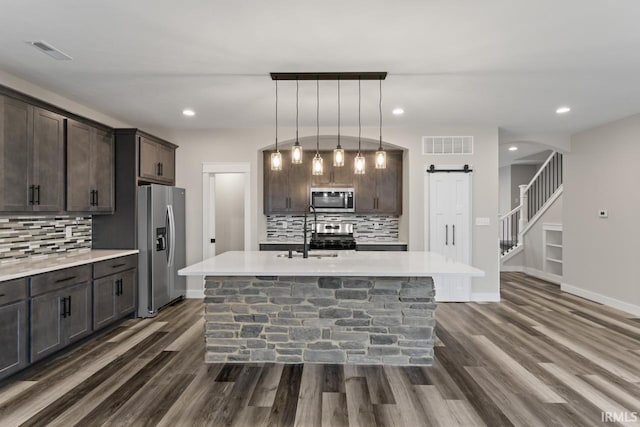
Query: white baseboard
(485, 297)
(603, 299)
(534, 272)
(195, 294)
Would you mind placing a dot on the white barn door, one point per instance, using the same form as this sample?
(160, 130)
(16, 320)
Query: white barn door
(450, 229)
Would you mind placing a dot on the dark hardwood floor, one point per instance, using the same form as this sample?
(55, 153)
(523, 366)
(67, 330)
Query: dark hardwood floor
(540, 357)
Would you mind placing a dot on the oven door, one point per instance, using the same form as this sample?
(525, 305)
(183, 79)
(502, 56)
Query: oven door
(332, 199)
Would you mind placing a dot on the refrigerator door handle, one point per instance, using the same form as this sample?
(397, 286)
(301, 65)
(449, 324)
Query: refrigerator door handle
(171, 247)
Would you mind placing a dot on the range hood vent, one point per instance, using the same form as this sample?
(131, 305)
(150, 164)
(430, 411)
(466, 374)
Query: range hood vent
(53, 52)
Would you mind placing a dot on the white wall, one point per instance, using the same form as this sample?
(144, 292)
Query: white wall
(601, 255)
(229, 212)
(243, 145)
(504, 179)
(520, 175)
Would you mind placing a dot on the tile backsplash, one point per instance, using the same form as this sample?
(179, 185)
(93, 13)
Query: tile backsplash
(29, 236)
(366, 228)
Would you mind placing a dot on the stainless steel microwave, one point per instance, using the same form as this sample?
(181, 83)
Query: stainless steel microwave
(332, 199)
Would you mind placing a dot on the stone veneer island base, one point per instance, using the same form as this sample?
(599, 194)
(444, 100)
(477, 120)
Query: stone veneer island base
(287, 319)
(354, 308)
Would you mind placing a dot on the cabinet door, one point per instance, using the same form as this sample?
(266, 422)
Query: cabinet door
(79, 182)
(48, 160)
(276, 185)
(78, 321)
(126, 301)
(16, 126)
(46, 324)
(389, 185)
(104, 311)
(166, 157)
(148, 158)
(343, 175)
(102, 158)
(13, 338)
(365, 186)
(298, 185)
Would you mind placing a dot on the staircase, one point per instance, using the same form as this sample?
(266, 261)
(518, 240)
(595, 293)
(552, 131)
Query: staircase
(535, 198)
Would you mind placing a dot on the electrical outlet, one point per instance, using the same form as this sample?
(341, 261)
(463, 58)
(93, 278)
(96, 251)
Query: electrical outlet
(603, 213)
(68, 232)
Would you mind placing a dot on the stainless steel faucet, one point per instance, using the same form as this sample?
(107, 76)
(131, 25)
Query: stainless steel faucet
(305, 244)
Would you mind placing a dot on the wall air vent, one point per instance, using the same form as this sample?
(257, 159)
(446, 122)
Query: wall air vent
(53, 52)
(447, 145)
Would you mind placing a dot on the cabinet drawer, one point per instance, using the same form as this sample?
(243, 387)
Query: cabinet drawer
(13, 290)
(60, 279)
(115, 265)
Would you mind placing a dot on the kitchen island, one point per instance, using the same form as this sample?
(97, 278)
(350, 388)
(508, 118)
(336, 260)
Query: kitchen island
(343, 307)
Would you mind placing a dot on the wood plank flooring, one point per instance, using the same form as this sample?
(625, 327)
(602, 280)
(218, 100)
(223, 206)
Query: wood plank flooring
(538, 358)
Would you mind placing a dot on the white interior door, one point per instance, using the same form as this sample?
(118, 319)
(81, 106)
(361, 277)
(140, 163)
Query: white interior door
(450, 229)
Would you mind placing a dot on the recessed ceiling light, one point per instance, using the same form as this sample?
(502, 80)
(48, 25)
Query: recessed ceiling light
(513, 148)
(398, 111)
(563, 110)
(188, 112)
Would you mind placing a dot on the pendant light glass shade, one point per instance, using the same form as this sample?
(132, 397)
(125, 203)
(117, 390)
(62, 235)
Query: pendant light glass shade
(296, 150)
(381, 155)
(359, 164)
(338, 156)
(276, 161)
(338, 152)
(317, 168)
(276, 158)
(316, 164)
(296, 153)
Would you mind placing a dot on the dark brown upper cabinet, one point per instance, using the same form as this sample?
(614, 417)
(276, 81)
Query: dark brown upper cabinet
(32, 158)
(379, 191)
(157, 160)
(90, 169)
(286, 190)
(341, 176)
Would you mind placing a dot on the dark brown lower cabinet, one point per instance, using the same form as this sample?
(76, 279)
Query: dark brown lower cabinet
(59, 318)
(14, 327)
(114, 297)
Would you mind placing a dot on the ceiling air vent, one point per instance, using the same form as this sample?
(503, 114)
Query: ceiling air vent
(45, 47)
(447, 145)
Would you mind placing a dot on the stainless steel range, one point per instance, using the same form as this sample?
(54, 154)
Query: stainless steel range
(333, 236)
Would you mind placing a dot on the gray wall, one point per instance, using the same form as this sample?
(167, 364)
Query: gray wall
(504, 182)
(602, 255)
(229, 205)
(520, 175)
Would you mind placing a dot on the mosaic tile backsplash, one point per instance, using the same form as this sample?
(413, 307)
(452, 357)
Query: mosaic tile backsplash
(366, 228)
(28, 236)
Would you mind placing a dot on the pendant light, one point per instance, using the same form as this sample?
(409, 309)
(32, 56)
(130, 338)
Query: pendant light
(381, 155)
(296, 151)
(316, 168)
(338, 152)
(359, 162)
(276, 158)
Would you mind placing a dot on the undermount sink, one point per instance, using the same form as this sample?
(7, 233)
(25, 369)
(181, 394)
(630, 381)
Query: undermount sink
(317, 255)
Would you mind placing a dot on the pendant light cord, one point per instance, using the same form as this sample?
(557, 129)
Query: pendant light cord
(359, 123)
(380, 107)
(317, 117)
(276, 116)
(339, 114)
(297, 90)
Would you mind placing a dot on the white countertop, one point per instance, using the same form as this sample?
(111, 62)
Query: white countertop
(37, 265)
(347, 263)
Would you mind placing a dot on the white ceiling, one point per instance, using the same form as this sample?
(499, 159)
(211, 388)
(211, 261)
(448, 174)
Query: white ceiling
(507, 63)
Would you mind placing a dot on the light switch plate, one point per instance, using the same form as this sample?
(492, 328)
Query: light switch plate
(603, 213)
(483, 221)
(68, 232)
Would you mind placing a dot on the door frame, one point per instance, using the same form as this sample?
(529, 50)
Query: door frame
(210, 169)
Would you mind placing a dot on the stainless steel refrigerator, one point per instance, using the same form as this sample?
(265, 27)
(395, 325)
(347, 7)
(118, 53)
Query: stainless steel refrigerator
(161, 240)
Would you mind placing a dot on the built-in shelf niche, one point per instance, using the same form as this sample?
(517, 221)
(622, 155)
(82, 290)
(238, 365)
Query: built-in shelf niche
(552, 250)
